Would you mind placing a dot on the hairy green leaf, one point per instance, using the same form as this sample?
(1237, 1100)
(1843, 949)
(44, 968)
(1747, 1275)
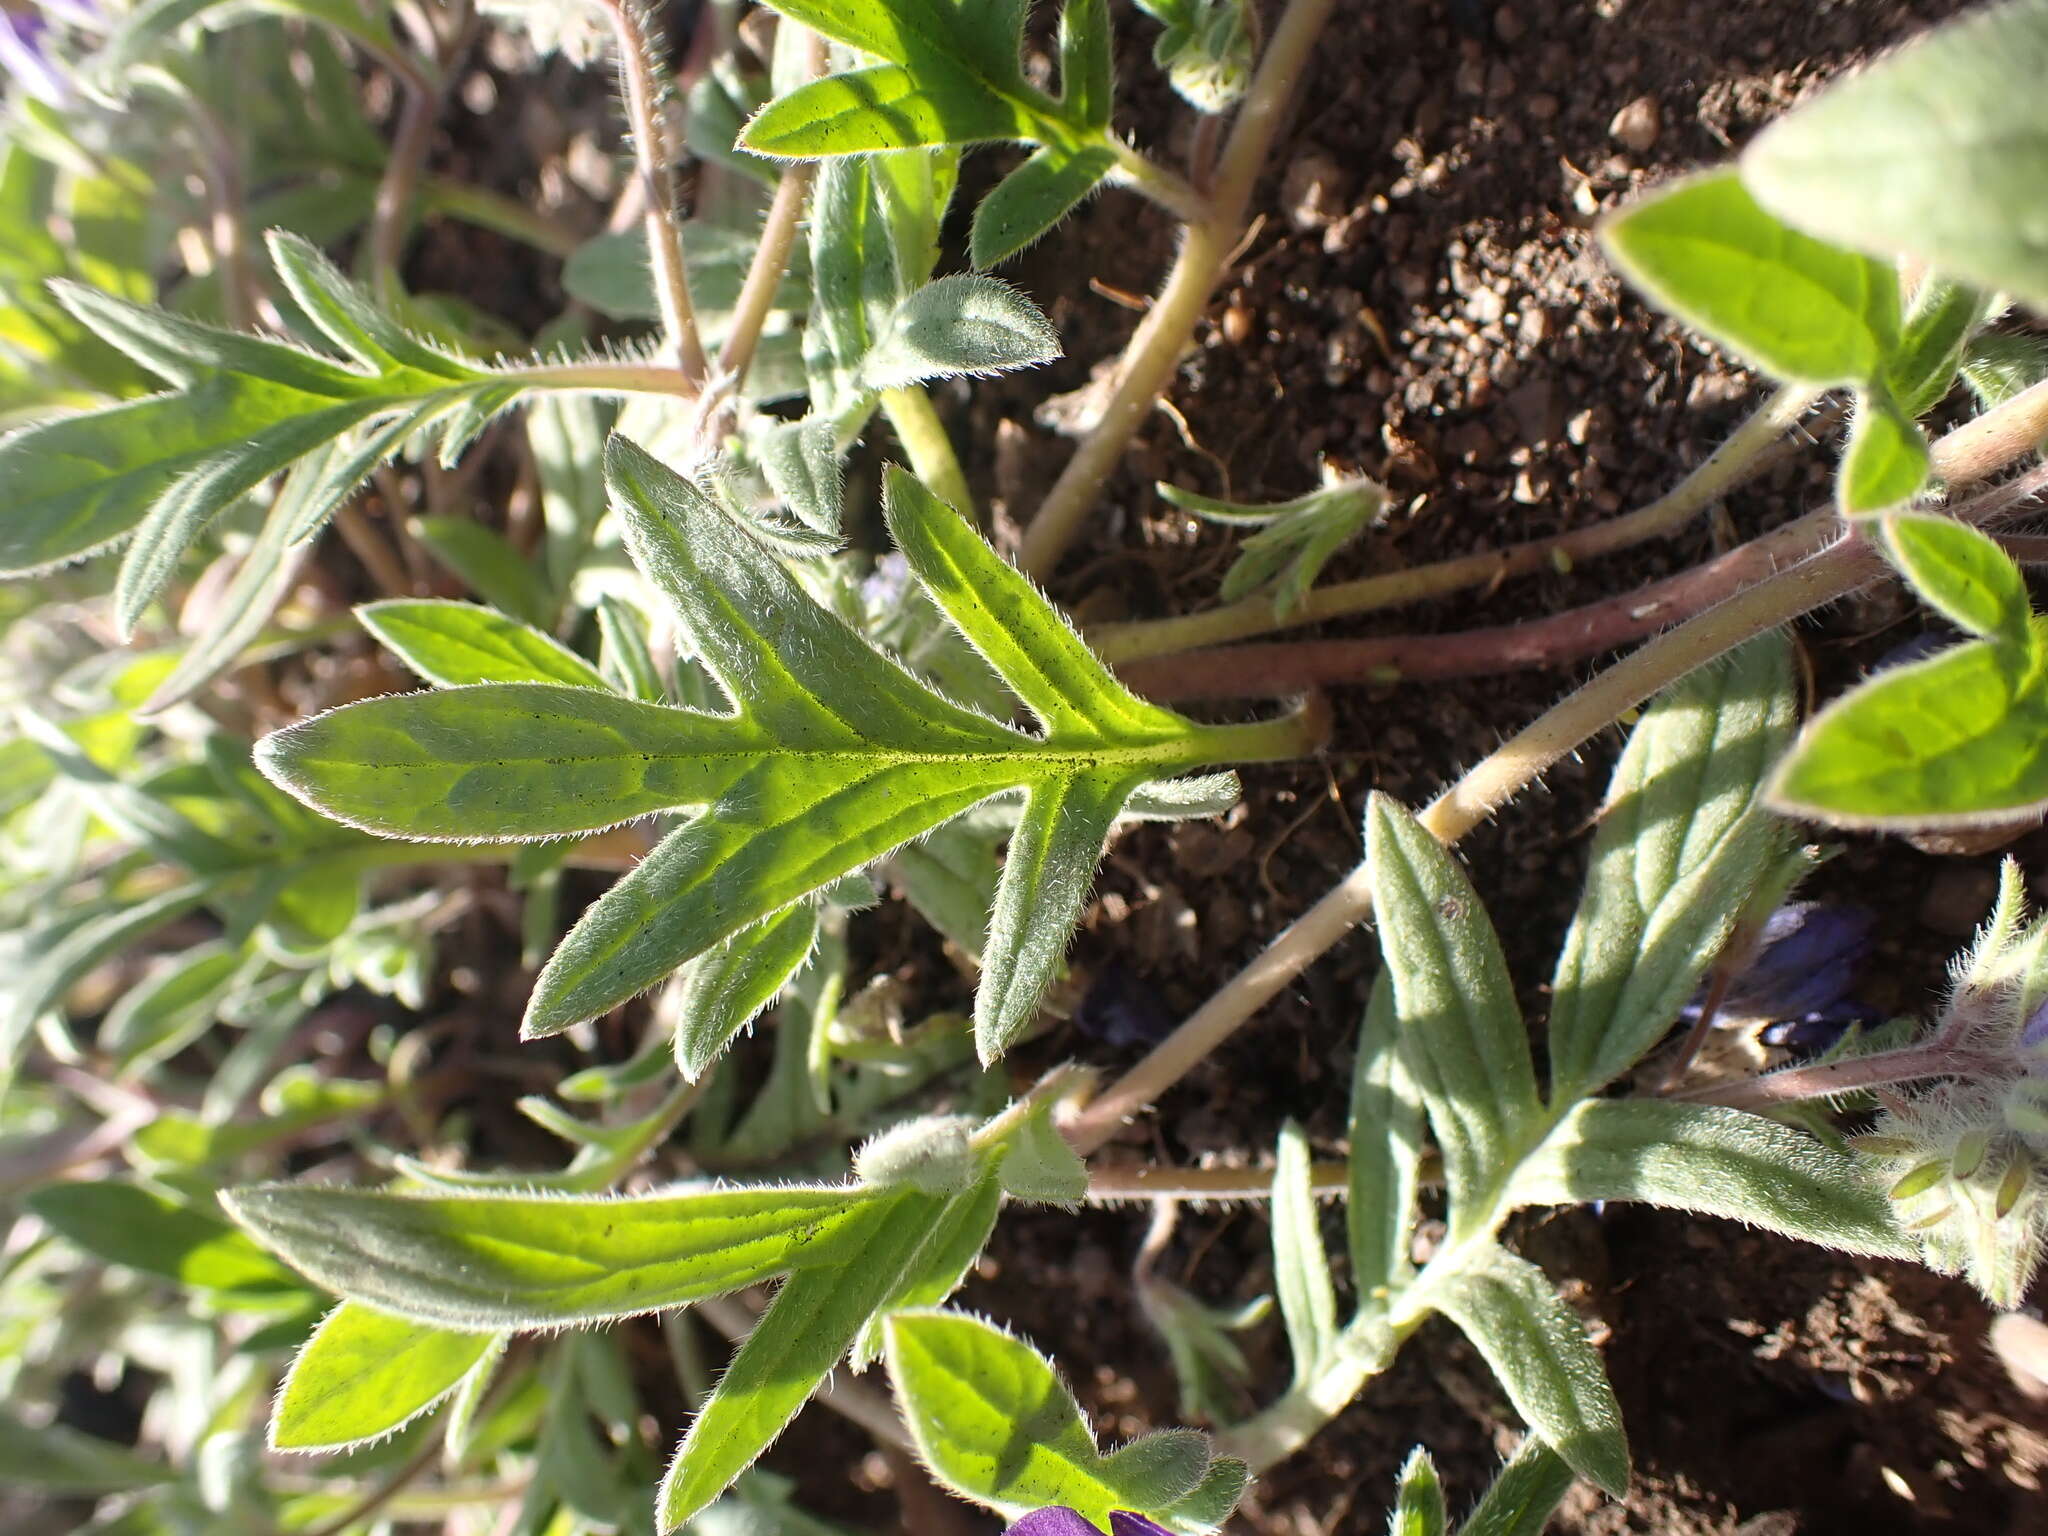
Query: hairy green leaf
(834, 756)
(1957, 740)
(1034, 197)
(1939, 323)
(1087, 62)
(365, 1374)
(1418, 1499)
(814, 1320)
(1961, 573)
(1386, 1153)
(1720, 1162)
(452, 644)
(1936, 153)
(1797, 307)
(962, 324)
(1524, 1494)
(483, 1263)
(725, 988)
(1301, 1268)
(1461, 1033)
(1541, 1354)
(1886, 462)
(994, 1422)
(1681, 842)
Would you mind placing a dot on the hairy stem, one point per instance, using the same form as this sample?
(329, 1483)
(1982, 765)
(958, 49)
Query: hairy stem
(634, 33)
(1114, 1185)
(1154, 351)
(1172, 192)
(1966, 455)
(1753, 446)
(929, 447)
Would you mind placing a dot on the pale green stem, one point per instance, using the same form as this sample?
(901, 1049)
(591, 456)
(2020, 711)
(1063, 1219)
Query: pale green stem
(1748, 450)
(1145, 175)
(606, 378)
(1154, 352)
(1971, 453)
(925, 440)
(1114, 1185)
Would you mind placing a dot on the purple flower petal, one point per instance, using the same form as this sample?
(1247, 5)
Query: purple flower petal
(1056, 1521)
(2035, 1031)
(1123, 1523)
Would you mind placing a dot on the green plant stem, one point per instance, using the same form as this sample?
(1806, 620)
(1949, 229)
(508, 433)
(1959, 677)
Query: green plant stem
(633, 31)
(607, 378)
(1118, 1185)
(1969, 454)
(930, 448)
(1752, 447)
(1142, 174)
(1154, 352)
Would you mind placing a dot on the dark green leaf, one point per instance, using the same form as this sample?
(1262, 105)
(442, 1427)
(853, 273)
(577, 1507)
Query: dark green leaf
(1028, 202)
(127, 1224)
(1524, 1495)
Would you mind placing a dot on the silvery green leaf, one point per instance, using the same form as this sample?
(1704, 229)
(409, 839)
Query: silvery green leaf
(1213, 1373)
(365, 1374)
(1524, 1494)
(1418, 1499)
(453, 644)
(965, 324)
(1386, 1130)
(169, 1008)
(1203, 795)
(1540, 1352)
(814, 1320)
(1461, 1034)
(1932, 153)
(1720, 1162)
(1296, 540)
(1158, 1470)
(1301, 1268)
(1040, 1165)
(1681, 841)
(481, 1264)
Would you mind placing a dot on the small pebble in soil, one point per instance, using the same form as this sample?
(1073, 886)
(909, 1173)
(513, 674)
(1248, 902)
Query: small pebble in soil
(1635, 126)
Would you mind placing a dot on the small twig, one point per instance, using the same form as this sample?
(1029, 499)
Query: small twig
(1754, 446)
(639, 69)
(373, 550)
(1116, 1185)
(1153, 354)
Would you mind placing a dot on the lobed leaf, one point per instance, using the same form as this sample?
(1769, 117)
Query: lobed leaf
(480, 1264)
(365, 1374)
(1716, 1161)
(1461, 1034)
(1541, 1354)
(1934, 153)
(1681, 842)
